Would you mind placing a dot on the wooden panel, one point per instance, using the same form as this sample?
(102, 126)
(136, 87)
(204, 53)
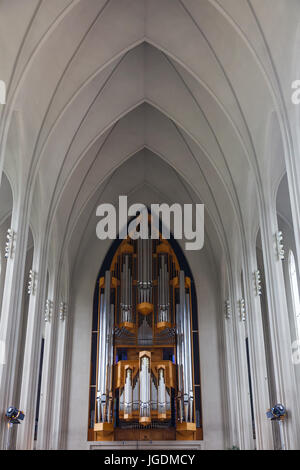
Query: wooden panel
(145, 434)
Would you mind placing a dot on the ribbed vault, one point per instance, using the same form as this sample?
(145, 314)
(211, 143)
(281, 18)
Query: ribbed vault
(164, 101)
(71, 99)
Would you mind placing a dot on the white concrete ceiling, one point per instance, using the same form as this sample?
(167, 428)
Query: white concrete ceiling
(202, 84)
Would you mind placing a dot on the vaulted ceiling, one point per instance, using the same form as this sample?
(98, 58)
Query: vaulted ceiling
(183, 97)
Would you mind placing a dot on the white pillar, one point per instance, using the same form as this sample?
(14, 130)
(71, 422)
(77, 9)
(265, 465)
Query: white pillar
(48, 377)
(32, 352)
(229, 372)
(285, 382)
(259, 375)
(239, 404)
(60, 377)
(245, 421)
(11, 313)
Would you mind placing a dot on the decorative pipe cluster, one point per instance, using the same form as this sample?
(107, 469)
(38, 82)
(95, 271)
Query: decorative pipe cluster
(163, 292)
(104, 388)
(145, 270)
(162, 405)
(145, 395)
(184, 354)
(128, 399)
(126, 292)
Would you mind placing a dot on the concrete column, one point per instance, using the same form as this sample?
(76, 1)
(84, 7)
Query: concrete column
(11, 314)
(245, 421)
(59, 390)
(285, 382)
(259, 375)
(232, 430)
(25, 438)
(48, 377)
(238, 385)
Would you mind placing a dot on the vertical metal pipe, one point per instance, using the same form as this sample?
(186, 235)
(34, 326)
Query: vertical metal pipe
(162, 285)
(127, 282)
(110, 361)
(161, 392)
(190, 390)
(128, 392)
(179, 362)
(100, 347)
(102, 369)
(106, 319)
(122, 293)
(185, 343)
(150, 266)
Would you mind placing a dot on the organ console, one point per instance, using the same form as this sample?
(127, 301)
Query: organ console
(145, 376)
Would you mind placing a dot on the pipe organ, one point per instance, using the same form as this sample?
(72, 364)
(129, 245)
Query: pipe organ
(145, 373)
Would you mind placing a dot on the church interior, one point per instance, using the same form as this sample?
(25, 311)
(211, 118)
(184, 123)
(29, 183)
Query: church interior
(129, 343)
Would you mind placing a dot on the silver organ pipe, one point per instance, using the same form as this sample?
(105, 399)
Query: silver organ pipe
(154, 392)
(179, 350)
(128, 393)
(145, 387)
(100, 367)
(110, 355)
(163, 291)
(162, 405)
(136, 393)
(189, 357)
(104, 379)
(145, 270)
(184, 354)
(126, 292)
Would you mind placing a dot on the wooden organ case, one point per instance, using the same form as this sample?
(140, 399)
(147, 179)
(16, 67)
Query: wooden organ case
(144, 379)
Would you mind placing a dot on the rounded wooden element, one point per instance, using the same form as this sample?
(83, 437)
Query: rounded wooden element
(127, 325)
(145, 420)
(145, 308)
(126, 248)
(163, 248)
(163, 325)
